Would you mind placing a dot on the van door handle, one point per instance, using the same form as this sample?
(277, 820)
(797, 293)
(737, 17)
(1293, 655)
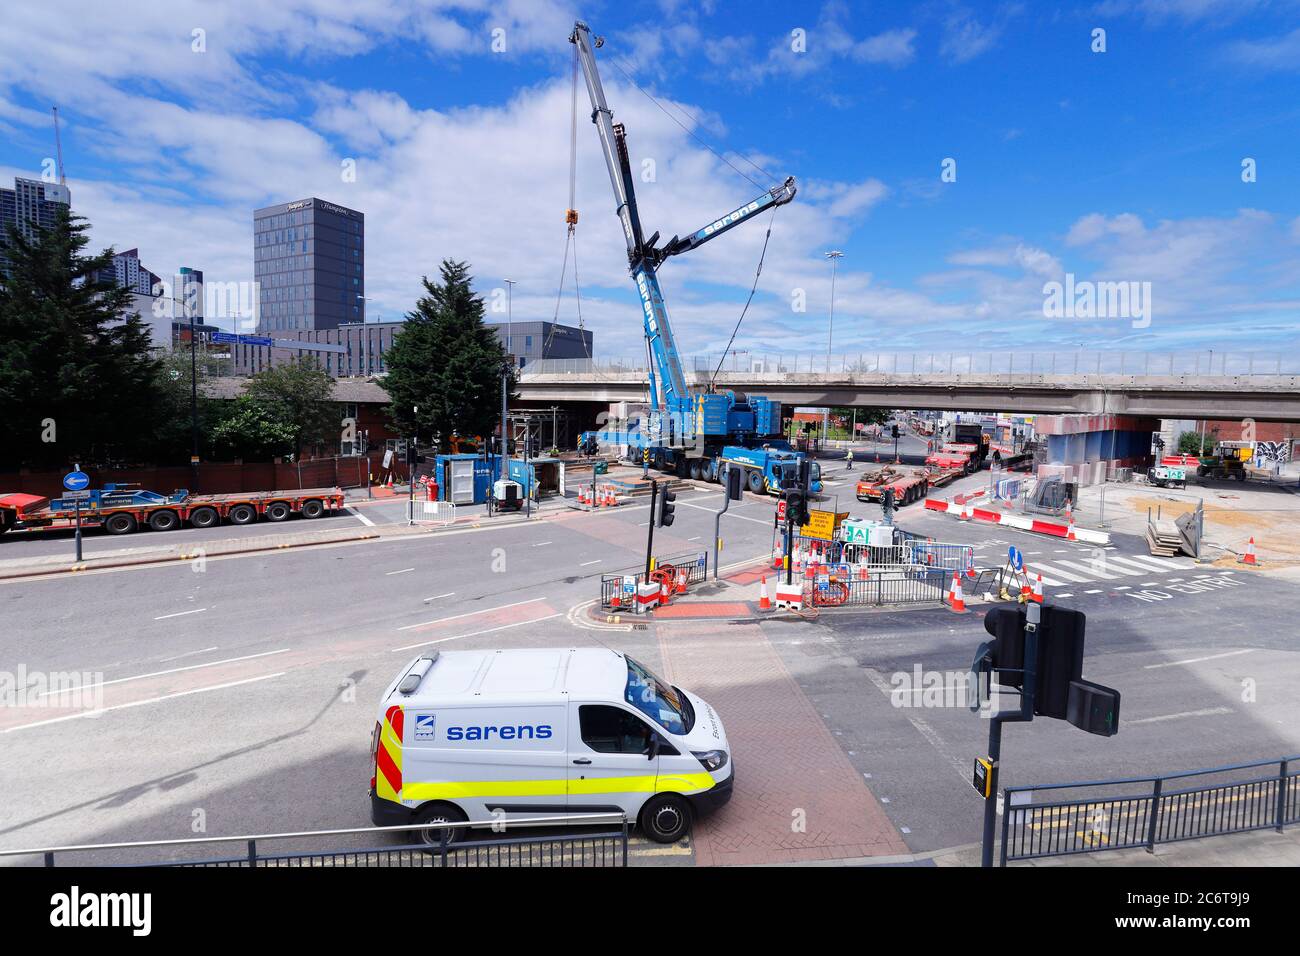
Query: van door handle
(582, 760)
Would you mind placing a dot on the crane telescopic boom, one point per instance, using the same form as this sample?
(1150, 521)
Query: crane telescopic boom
(668, 391)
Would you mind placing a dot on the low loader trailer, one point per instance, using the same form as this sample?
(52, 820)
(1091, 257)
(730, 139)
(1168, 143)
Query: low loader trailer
(122, 509)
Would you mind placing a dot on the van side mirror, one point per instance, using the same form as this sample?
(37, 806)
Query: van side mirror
(653, 750)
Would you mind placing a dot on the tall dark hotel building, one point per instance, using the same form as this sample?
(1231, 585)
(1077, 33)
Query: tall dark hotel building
(309, 259)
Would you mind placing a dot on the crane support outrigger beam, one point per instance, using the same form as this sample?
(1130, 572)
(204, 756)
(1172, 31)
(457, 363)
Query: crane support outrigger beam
(669, 395)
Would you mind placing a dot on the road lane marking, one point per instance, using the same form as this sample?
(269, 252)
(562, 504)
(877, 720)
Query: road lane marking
(587, 563)
(180, 614)
(457, 617)
(141, 703)
(730, 514)
(541, 544)
(359, 516)
(403, 571)
(1114, 560)
(1124, 587)
(175, 670)
(1088, 572)
(1161, 564)
(205, 650)
(1197, 660)
(437, 597)
(490, 630)
(1208, 712)
(1093, 592)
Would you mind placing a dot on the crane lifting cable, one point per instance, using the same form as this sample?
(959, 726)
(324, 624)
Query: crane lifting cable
(571, 221)
(757, 272)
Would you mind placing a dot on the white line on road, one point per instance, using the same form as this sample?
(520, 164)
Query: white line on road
(1124, 587)
(1208, 712)
(205, 650)
(403, 571)
(1094, 591)
(587, 563)
(730, 514)
(457, 617)
(1197, 660)
(696, 538)
(359, 516)
(180, 614)
(174, 670)
(1065, 595)
(490, 630)
(541, 544)
(141, 703)
(439, 596)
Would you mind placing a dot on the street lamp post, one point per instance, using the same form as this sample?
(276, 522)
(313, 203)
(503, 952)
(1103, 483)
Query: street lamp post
(834, 255)
(505, 369)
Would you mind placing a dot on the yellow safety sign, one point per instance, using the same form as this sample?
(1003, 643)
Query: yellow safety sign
(822, 524)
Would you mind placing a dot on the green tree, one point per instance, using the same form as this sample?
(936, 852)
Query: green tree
(250, 429)
(1192, 443)
(173, 431)
(78, 382)
(446, 362)
(299, 395)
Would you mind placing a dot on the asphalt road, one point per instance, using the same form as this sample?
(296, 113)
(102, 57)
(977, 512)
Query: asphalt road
(240, 698)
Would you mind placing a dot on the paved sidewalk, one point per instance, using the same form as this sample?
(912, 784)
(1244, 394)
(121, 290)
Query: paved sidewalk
(798, 798)
(1256, 848)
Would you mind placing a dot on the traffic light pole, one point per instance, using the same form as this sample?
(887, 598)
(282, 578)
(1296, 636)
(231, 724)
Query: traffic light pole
(1028, 689)
(650, 527)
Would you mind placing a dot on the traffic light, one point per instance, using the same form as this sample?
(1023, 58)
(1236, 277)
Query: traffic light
(796, 507)
(893, 431)
(1061, 690)
(735, 482)
(666, 508)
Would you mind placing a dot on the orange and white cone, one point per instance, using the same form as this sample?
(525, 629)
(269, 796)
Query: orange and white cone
(764, 602)
(955, 601)
(964, 514)
(681, 581)
(1069, 531)
(1038, 590)
(1249, 556)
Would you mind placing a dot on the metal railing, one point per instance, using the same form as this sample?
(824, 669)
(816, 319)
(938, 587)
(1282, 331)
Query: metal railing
(694, 563)
(970, 363)
(867, 586)
(1243, 799)
(607, 848)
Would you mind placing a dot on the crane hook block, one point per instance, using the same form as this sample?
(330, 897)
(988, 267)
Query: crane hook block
(571, 216)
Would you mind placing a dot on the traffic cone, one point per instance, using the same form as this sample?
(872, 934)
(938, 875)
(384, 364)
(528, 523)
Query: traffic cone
(618, 601)
(681, 581)
(955, 601)
(764, 602)
(1038, 590)
(665, 592)
(1026, 592)
(863, 573)
(1249, 556)
(1069, 531)
(964, 514)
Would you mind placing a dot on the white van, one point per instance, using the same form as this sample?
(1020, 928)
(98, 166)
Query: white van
(483, 736)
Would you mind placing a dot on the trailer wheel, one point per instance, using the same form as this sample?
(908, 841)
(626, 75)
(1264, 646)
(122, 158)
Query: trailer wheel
(204, 517)
(312, 508)
(164, 520)
(120, 523)
(755, 481)
(278, 511)
(694, 468)
(243, 514)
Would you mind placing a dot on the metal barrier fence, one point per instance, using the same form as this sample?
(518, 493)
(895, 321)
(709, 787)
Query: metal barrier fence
(1244, 799)
(600, 849)
(694, 563)
(867, 586)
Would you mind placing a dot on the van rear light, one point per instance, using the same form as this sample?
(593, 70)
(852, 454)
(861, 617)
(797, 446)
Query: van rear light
(374, 740)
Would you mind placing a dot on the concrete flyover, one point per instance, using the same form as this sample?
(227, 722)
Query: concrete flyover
(1160, 385)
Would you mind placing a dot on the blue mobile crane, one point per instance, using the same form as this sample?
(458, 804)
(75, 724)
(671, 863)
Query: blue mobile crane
(691, 433)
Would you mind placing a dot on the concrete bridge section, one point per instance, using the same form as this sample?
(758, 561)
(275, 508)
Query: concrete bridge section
(1213, 391)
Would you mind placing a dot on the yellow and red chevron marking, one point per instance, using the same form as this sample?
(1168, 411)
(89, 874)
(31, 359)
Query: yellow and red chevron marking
(388, 756)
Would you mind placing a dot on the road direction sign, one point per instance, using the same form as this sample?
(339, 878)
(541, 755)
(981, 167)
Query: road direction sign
(1016, 558)
(76, 480)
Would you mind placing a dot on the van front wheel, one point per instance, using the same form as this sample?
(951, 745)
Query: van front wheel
(666, 818)
(441, 813)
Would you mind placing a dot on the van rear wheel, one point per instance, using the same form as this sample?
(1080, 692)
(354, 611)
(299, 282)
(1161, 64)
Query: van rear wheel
(666, 818)
(441, 813)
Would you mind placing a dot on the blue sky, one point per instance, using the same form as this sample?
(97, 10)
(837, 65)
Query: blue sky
(1116, 166)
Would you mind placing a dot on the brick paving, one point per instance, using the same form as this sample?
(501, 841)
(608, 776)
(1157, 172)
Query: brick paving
(713, 609)
(788, 765)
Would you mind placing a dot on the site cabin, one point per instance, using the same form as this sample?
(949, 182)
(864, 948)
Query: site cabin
(122, 509)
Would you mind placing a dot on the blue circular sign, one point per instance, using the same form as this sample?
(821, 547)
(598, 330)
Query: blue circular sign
(1017, 559)
(76, 480)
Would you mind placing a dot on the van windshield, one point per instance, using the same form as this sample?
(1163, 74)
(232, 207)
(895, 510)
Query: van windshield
(660, 701)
